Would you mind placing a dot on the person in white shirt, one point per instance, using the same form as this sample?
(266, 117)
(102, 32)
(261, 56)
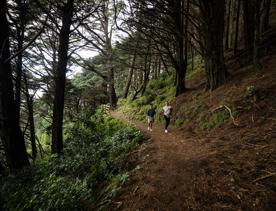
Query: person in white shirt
(167, 110)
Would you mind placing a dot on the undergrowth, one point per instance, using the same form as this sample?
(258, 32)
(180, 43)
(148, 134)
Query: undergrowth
(158, 91)
(216, 118)
(161, 90)
(85, 177)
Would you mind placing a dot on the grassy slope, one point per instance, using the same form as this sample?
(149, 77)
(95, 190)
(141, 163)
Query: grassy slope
(158, 91)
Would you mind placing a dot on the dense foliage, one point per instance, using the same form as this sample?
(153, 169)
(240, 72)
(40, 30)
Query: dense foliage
(87, 175)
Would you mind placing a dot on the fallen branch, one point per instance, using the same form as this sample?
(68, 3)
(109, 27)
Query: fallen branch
(252, 118)
(273, 119)
(265, 177)
(230, 113)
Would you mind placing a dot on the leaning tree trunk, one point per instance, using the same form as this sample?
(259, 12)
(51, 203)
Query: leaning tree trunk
(166, 69)
(130, 74)
(10, 131)
(146, 71)
(60, 78)
(212, 12)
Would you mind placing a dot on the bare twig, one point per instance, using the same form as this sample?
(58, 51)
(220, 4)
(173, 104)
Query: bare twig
(230, 113)
(265, 177)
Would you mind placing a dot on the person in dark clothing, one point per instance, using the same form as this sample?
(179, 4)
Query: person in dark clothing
(150, 117)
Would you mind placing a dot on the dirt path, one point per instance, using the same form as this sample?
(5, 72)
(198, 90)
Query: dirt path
(168, 164)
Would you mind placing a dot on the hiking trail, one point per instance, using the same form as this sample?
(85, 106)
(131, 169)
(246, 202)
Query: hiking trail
(167, 167)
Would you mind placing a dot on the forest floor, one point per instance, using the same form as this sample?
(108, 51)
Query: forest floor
(229, 167)
(168, 165)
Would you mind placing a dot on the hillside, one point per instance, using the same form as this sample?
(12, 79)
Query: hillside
(210, 160)
(77, 79)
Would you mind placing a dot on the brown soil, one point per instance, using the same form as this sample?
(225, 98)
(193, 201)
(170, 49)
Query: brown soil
(231, 167)
(168, 165)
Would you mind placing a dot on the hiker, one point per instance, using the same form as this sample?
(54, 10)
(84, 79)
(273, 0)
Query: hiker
(150, 117)
(167, 110)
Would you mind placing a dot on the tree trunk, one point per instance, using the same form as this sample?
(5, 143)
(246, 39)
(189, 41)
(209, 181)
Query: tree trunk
(137, 92)
(257, 32)
(159, 67)
(252, 18)
(212, 12)
(267, 6)
(146, 69)
(60, 78)
(21, 6)
(31, 118)
(109, 60)
(154, 68)
(110, 79)
(248, 18)
(18, 79)
(111, 89)
(227, 25)
(237, 27)
(182, 41)
(32, 127)
(166, 69)
(233, 23)
(130, 74)
(10, 131)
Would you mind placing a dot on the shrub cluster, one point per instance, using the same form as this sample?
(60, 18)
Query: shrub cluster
(85, 176)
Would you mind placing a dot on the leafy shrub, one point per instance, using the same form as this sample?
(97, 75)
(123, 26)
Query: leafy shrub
(86, 169)
(147, 100)
(198, 68)
(192, 74)
(179, 122)
(250, 90)
(158, 91)
(44, 190)
(197, 110)
(217, 118)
